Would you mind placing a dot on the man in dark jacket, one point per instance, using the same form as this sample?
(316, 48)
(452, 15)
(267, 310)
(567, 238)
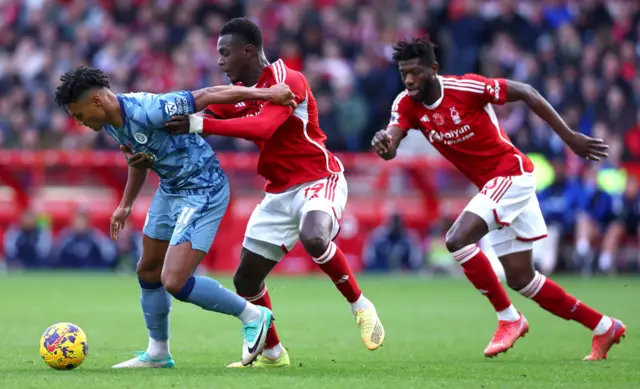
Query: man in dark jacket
(27, 244)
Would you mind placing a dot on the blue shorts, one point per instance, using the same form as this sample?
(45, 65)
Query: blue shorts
(180, 218)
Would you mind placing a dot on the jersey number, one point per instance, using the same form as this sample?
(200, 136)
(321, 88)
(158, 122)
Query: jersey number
(312, 191)
(183, 219)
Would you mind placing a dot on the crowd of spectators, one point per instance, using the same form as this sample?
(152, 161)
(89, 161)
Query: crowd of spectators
(582, 55)
(30, 244)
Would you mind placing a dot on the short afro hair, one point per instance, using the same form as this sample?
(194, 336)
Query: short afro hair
(77, 81)
(244, 28)
(421, 48)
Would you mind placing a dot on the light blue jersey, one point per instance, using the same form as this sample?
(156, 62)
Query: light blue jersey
(194, 191)
(184, 163)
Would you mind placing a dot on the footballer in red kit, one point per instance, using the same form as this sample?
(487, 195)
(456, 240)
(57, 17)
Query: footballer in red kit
(306, 191)
(456, 115)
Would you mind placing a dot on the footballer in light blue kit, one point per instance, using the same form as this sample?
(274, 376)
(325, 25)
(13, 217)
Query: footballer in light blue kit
(187, 208)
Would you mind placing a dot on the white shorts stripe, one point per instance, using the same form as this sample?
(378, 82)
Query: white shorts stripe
(504, 190)
(500, 186)
(331, 187)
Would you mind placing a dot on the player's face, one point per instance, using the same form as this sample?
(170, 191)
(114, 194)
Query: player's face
(417, 77)
(234, 56)
(89, 111)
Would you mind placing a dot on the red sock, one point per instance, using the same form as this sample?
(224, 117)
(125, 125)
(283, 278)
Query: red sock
(264, 300)
(554, 299)
(334, 263)
(478, 270)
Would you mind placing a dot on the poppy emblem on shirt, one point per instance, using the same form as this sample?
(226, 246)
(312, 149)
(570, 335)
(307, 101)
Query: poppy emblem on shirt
(438, 119)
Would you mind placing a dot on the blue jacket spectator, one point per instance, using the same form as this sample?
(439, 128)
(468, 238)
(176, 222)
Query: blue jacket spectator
(83, 247)
(561, 200)
(597, 203)
(28, 244)
(392, 247)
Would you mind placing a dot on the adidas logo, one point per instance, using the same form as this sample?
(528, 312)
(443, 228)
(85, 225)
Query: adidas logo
(241, 104)
(342, 280)
(424, 119)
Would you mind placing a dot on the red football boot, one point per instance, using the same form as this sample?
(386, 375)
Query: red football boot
(506, 335)
(601, 344)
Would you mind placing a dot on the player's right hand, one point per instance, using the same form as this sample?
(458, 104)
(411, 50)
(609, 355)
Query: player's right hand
(589, 148)
(137, 160)
(179, 124)
(382, 142)
(281, 94)
(118, 220)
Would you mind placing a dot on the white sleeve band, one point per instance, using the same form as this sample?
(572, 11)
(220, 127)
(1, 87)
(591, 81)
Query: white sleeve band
(196, 123)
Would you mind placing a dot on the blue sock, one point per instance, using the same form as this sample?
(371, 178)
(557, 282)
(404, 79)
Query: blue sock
(208, 294)
(156, 304)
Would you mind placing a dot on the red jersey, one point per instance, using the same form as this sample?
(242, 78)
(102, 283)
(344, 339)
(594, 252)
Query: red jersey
(291, 143)
(463, 127)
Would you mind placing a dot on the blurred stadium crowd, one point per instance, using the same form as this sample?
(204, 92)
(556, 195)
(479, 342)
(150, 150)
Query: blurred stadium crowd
(582, 55)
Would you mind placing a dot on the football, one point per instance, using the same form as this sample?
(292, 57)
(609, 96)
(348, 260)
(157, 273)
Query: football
(63, 346)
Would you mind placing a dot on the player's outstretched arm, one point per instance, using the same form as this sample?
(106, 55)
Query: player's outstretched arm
(386, 142)
(585, 146)
(135, 180)
(229, 94)
(256, 128)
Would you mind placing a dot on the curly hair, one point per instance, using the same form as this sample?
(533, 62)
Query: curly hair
(421, 48)
(77, 81)
(244, 28)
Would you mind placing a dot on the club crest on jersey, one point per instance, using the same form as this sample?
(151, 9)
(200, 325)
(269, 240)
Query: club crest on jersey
(140, 138)
(438, 119)
(455, 116)
(170, 108)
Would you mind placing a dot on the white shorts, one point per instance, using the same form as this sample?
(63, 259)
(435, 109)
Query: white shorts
(510, 208)
(275, 223)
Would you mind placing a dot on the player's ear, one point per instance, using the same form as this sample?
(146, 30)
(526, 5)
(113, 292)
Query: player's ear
(249, 50)
(435, 67)
(96, 100)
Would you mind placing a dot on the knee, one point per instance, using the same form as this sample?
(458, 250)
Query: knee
(149, 271)
(315, 244)
(173, 283)
(455, 242)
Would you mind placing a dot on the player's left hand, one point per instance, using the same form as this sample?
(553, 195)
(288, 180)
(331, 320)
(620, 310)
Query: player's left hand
(589, 148)
(138, 160)
(178, 124)
(118, 220)
(281, 94)
(382, 142)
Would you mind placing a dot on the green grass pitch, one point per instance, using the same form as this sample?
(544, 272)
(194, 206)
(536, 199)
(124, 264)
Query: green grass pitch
(436, 332)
